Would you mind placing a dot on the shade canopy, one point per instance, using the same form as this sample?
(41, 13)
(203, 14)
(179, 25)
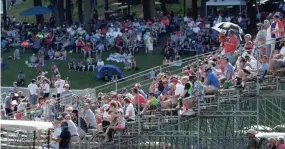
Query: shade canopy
(36, 11)
(225, 2)
(26, 125)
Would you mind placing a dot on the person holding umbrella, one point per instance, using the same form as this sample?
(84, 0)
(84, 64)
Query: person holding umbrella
(230, 46)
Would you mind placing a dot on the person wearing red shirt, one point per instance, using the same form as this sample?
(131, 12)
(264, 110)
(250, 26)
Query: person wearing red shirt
(230, 47)
(278, 31)
(138, 99)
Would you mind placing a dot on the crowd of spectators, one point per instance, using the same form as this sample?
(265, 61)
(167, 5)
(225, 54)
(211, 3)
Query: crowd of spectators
(231, 65)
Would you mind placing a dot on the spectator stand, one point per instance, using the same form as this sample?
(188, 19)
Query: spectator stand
(225, 119)
(24, 134)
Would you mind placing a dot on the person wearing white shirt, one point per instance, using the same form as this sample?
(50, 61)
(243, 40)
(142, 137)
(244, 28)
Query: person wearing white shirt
(46, 88)
(100, 63)
(179, 88)
(55, 135)
(59, 84)
(72, 129)
(33, 93)
(129, 110)
(269, 42)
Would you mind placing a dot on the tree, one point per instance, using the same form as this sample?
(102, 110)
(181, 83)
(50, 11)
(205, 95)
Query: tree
(149, 11)
(251, 12)
(68, 12)
(4, 13)
(163, 7)
(80, 11)
(39, 18)
(87, 14)
(58, 11)
(195, 9)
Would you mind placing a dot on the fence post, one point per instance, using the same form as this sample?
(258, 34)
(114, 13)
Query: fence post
(116, 84)
(160, 69)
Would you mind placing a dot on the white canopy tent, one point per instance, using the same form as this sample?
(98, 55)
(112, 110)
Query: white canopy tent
(225, 3)
(26, 125)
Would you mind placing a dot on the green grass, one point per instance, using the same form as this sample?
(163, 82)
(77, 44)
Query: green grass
(79, 80)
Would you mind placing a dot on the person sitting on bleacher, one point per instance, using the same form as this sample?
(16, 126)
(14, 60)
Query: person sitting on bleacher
(212, 82)
(89, 117)
(138, 99)
(56, 133)
(129, 110)
(80, 123)
(151, 104)
(117, 121)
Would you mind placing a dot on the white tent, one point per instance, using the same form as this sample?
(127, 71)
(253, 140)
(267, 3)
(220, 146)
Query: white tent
(225, 3)
(26, 125)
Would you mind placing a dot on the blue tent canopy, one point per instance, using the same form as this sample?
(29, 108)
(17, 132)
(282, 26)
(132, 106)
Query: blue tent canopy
(36, 11)
(110, 69)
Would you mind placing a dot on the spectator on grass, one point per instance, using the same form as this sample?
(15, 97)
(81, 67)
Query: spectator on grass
(21, 79)
(33, 60)
(16, 54)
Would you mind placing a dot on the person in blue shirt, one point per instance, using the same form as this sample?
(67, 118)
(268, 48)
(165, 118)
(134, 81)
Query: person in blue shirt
(212, 82)
(229, 70)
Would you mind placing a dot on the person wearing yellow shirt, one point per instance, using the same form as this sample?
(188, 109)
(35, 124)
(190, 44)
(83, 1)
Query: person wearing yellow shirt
(152, 103)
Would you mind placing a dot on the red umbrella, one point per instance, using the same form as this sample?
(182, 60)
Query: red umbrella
(25, 44)
(87, 48)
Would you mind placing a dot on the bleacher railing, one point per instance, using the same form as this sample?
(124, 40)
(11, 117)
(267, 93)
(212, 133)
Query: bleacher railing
(142, 78)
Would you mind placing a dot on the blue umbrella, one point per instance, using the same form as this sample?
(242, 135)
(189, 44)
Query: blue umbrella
(37, 10)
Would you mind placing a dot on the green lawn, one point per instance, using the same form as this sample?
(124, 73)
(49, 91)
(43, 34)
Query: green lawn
(79, 80)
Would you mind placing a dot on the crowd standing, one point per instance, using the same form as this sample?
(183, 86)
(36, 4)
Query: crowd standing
(231, 65)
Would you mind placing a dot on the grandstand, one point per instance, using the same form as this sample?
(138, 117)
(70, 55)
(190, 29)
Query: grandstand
(219, 124)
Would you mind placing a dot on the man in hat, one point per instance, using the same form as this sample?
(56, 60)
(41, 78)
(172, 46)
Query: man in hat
(260, 39)
(277, 31)
(252, 140)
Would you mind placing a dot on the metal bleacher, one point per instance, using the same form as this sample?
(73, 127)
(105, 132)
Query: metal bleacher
(220, 123)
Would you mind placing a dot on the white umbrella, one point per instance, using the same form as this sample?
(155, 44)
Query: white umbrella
(225, 26)
(116, 4)
(123, 7)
